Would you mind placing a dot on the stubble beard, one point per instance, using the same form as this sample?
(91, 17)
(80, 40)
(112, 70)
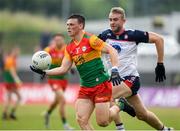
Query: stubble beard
(117, 30)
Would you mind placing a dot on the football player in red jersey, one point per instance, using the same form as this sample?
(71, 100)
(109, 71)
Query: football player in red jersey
(58, 83)
(12, 83)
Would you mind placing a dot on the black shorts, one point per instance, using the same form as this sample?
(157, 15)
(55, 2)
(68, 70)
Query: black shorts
(133, 82)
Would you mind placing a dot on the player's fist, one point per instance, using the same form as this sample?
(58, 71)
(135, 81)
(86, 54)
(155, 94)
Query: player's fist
(160, 72)
(115, 77)
(38, 71)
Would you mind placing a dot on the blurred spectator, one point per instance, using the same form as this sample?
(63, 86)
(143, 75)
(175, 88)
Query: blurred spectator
(1, 60)
(1, 55)
(12, 83)
(45, 39)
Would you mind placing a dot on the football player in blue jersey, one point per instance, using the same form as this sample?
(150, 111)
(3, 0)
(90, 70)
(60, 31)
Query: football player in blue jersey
(126, 42)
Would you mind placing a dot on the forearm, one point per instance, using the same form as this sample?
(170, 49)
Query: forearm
(108, 49)
(113, 57)
(56, 71)
(159, 43)
(14, 75)
(160, 50)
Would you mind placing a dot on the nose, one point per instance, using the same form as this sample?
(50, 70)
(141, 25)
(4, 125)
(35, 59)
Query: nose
(68, 27)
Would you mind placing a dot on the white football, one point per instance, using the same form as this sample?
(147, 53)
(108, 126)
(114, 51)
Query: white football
(41, 60)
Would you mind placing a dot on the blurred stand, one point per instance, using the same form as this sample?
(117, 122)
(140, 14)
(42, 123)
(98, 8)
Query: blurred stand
(146, 58)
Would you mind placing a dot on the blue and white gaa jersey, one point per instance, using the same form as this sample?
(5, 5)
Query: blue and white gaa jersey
(126, 46)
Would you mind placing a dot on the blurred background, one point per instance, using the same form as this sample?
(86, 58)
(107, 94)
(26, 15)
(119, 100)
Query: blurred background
(29, 24)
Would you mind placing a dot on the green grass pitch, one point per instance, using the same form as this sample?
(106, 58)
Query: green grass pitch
(30, 117)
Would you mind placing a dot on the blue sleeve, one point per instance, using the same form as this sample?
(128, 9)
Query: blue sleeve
(103, 35)
(100, 36)
(141, 36)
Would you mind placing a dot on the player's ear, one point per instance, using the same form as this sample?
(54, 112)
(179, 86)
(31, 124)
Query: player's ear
(81, 26)
(124, 20)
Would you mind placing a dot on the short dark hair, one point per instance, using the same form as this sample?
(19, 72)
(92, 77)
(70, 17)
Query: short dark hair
(80, 18)
(58, 34)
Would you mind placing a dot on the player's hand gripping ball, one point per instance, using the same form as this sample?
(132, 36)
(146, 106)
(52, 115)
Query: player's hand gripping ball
(41, 60)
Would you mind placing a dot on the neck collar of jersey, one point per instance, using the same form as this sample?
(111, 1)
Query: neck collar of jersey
(120, 32)
(81, 37)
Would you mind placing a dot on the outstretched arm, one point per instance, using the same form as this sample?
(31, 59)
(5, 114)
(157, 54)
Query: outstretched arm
(65, 66)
